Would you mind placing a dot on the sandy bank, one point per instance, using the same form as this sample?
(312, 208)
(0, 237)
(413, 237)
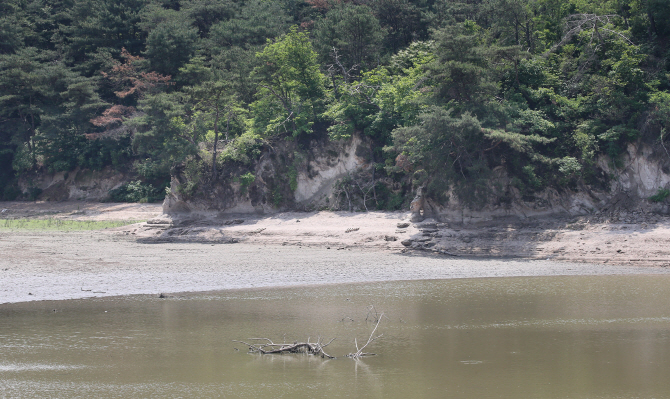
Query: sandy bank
(623, 239)
(230, 252)
(41, 266)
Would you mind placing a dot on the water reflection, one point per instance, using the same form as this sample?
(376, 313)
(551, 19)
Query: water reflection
(578, 337)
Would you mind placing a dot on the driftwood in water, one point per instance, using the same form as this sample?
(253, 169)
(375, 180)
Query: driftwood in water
(265, 346)
(269, 347)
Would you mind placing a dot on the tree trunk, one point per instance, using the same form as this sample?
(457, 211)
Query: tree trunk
(216, 140)
(516, 72)
(516, 30)
(652, 25)
(228, 125)
(529, 41)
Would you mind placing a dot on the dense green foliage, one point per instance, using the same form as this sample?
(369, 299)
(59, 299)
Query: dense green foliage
(449, 93)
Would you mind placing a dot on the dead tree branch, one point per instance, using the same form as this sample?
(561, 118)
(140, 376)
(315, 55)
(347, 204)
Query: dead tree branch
(365, 186)
(265, 346)
(269, 347)
(337, 64)
(359, 184)
(575, 24)
(359, 351)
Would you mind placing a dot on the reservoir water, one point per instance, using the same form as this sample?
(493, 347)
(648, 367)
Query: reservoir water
(539, 337)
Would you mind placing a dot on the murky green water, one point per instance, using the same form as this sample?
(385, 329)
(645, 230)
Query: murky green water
(558, 337)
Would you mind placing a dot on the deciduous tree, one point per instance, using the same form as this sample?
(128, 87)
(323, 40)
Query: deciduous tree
(291, 86)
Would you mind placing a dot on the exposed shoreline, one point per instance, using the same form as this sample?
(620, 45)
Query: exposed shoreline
(277, 250)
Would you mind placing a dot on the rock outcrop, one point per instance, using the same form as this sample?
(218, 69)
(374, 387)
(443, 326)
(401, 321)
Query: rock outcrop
(290, 177)
(314, 172)
(76, 185)
(642, 171)
(285, 177)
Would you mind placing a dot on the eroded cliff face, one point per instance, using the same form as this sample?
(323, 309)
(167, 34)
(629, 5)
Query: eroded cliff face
(327, 165)
(291, 178)
(646, 169)
(643, 171)
(76, 185)
(286, 177)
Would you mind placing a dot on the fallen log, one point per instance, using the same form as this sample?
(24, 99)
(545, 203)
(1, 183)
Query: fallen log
(269, 347)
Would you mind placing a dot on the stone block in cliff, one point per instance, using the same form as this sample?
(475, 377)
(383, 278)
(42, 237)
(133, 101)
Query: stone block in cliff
(327, 164)
(172, 205)
(417, 206)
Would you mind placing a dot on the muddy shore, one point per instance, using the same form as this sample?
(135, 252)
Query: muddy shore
(217, 252)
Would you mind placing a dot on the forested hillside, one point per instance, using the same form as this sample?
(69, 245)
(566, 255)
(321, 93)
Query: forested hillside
(449, 92)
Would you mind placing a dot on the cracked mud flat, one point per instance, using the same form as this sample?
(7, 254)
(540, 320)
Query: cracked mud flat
(239, 252)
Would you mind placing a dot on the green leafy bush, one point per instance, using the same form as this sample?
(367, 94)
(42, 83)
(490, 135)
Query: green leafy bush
(137, 191)
(293, 178)
(11, 192)
(660, 195)
(33, 193)
(387, 199)
(245, 181)
(65, 152)
(242, 149)
(569, 166)
(276, 197)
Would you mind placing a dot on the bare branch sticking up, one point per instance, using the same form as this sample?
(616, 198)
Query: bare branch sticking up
(574, 24)
(359, 351)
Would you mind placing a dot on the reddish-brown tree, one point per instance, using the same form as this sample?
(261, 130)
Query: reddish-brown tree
(127, 77)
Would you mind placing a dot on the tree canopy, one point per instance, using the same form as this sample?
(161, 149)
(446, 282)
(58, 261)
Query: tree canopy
(446, 91)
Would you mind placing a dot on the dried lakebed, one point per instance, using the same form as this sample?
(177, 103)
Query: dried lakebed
(67, 265)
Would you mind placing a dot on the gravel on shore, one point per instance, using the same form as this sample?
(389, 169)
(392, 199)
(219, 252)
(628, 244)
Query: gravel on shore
(67, 265)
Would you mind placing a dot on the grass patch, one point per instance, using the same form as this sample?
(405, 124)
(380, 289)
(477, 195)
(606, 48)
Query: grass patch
(62, 225)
